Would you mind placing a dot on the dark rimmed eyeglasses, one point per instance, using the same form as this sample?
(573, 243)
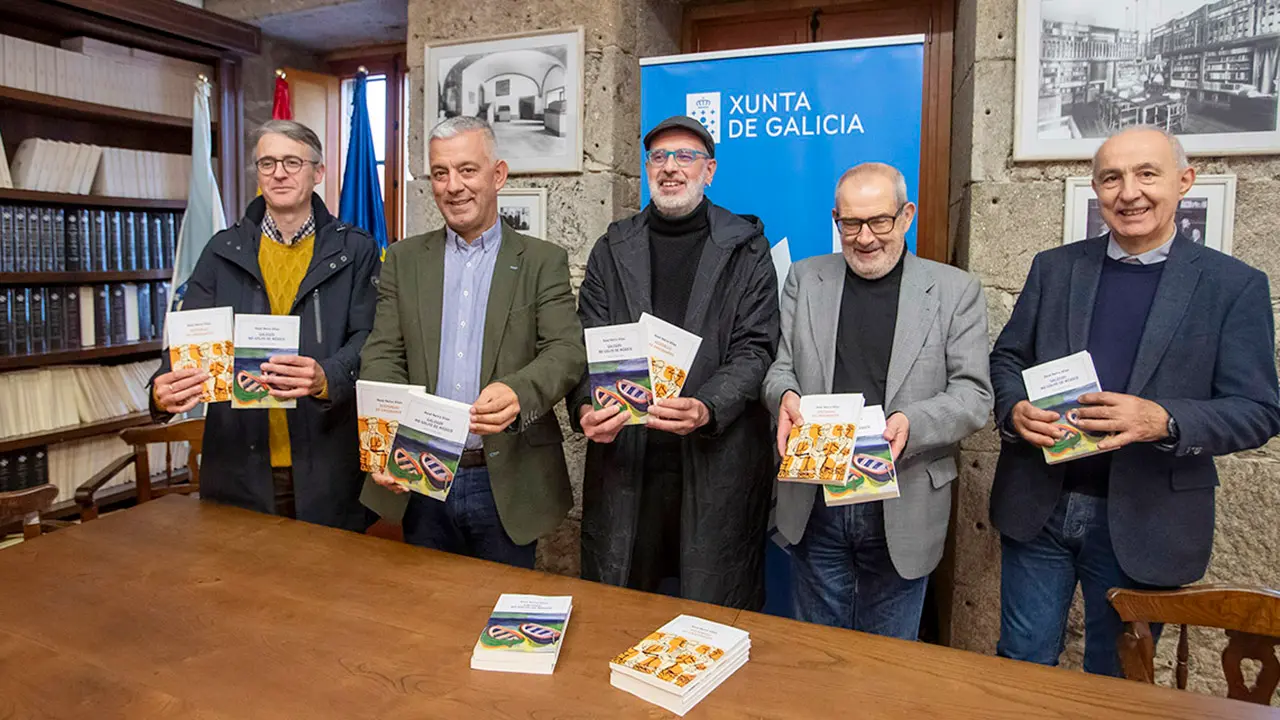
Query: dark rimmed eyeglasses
(684, 156)
(879, 224)
(292, 164)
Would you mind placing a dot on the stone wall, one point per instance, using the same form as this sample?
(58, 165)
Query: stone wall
(579, 206)
(1002, 215)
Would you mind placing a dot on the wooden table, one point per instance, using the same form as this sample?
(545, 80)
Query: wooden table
(181, 609)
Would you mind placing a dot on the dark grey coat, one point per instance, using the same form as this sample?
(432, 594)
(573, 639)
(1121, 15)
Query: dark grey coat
(728, 471)
(1206, 355)
(336, 302)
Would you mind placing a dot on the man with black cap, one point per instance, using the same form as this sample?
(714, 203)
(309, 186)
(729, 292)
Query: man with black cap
(680, 505)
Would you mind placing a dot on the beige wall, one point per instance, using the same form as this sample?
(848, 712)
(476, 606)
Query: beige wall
(1002, 214)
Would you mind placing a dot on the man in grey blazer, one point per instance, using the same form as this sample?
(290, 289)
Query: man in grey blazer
(911, 335)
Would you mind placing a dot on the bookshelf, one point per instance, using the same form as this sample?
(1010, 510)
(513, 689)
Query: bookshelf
(156, 48)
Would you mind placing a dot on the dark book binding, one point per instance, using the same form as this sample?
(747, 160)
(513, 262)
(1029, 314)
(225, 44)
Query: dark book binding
(98, 245)
(38, 329)
(155, 222)
(171, 225)
(60, 239)
(146, 329)
(8, 253)
(21, 249)
(21, 340)
(160, 306)
(72, 246)
(39, 466)
(8, 482)
(47, 255)
(21, 469)
(141, 234)
(115, 241)
(71, 317)
(6, 321)
(130, 241)
(119, 320)
(101, 315)
(55, 318)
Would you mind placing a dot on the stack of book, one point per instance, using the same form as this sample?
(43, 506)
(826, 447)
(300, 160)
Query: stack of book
(55, 318)
(840, 445)
(43, 239)
(54, 166)
(80, 169)
(524, 634)
(634, 365)
(680, 664)
(48, 399)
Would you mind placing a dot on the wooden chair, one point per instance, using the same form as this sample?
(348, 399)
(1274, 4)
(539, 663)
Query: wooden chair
(1250, 617)
(182, 481)
(26, 505)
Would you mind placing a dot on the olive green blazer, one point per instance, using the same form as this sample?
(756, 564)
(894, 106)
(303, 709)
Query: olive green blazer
(532, 342)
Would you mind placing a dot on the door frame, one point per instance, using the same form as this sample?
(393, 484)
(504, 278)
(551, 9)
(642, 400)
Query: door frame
(932, 235)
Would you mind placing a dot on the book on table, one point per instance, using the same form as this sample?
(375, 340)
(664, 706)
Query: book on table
(202, 339)
(524, 634)
(678, 665)
(257, 339)
(1057, 386)
(871, 474)
(671, 351)
(379, 408)
(428, 444)
(819, 449)
(618, 367)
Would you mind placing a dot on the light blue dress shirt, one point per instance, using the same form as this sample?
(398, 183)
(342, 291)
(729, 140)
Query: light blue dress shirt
(468, 274)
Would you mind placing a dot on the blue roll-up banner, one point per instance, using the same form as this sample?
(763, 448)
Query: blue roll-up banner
(787, 122)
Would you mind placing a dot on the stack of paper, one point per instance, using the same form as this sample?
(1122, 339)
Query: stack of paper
(870, 475)
(204, 339)
(1057, 385)
(524, 634)
(257, 339)
(428, 444)
(637, 364)
(380, 406)
(53, 166)
(677, 666)
(819, 450)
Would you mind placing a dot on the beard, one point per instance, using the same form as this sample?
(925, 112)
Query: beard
(683, 203)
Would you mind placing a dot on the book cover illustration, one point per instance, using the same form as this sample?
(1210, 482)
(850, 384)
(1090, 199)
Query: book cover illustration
(871, 473)
(671, 353)
(618, 363)
(819, 450)
(379, 408)
(1057, 386)
(680, 652)
(257, 339)
(428, 444)
(526, 624)
(203, 339)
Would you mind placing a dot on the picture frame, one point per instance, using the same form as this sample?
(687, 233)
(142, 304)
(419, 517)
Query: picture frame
(537, 117)
(524, 210)
(1206, 214)
(1087, 68)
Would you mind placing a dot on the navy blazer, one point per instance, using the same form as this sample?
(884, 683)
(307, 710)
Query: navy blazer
(1207, 355)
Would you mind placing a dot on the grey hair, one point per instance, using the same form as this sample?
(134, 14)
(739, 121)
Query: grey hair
(455, 126)
(877, 169)
(293, 130)
(1179, 152)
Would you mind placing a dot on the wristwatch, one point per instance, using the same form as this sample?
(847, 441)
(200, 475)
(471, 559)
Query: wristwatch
(1172, 428)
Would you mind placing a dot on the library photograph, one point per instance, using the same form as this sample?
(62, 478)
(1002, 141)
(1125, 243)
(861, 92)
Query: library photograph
(1192, 67)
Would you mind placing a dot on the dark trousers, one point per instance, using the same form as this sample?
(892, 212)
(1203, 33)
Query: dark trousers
(655, 553)
(282, 481)
(466, 523)
(843, 576)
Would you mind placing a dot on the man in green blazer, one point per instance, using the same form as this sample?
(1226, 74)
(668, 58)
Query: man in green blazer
(481, 314)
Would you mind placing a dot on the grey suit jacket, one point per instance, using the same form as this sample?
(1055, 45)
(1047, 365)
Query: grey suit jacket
(938, 377)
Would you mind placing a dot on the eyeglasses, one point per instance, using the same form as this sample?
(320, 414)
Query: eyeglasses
(684, 156)
(879, 224)
(292, 164)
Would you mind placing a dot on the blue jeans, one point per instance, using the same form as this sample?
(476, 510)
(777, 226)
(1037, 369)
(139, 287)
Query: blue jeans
(1038, 579)
(466, 523)
(843, 577)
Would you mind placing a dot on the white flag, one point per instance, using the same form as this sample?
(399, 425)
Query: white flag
(204, 216)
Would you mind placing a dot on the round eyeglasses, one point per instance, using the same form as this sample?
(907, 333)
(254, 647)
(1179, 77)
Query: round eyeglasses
(292, 164)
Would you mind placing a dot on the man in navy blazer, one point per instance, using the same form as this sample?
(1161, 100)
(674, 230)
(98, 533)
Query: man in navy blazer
(1182, 340)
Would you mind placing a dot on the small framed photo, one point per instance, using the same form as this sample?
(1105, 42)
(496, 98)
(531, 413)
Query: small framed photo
(1206, 214)
(529, 87)
(524, 210)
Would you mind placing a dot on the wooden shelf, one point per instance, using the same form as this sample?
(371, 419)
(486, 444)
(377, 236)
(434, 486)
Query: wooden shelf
(83, 278)
(68, 108)
(52, 437)
(14, 362)
(48, 198)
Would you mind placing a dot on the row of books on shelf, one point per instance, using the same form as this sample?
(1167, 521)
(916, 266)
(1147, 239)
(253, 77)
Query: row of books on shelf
(51, 319)
(68, 465)
(56, 398)
(98, 72)
(43, 239)
(82, 169)
(674, 667)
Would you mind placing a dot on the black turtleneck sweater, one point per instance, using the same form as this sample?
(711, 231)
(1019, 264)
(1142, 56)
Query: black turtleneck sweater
(675, 246)
(864, 337)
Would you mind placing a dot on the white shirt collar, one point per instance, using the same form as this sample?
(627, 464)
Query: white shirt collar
(1150, 257)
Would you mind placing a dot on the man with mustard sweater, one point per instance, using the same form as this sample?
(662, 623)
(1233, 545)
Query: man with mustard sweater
(287, 256)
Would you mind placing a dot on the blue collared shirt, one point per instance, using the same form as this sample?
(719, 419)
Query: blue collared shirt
(468, 273)
(1150, 257)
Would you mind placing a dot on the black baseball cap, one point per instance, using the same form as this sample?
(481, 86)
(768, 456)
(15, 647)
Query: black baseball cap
(683, 122)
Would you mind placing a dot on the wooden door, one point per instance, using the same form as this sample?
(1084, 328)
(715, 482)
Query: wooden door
(316, 102)
(761, 23)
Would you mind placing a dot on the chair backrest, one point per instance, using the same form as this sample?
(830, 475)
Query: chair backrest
(188, 431)
(26, 505)
(1250, 616)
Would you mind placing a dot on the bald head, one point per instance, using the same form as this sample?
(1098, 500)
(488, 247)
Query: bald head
(874, 172)
(1140, 176)
(1145, 133)
(873, 215)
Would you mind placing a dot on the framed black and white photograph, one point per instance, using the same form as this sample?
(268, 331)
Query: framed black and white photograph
(529, 87)
(524, 210)
(1203, 69)
(1206, 214)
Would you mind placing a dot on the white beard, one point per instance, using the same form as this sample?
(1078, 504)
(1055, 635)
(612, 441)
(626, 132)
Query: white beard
(682, 204)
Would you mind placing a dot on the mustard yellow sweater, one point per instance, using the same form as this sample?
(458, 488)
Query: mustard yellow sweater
(283, 267)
